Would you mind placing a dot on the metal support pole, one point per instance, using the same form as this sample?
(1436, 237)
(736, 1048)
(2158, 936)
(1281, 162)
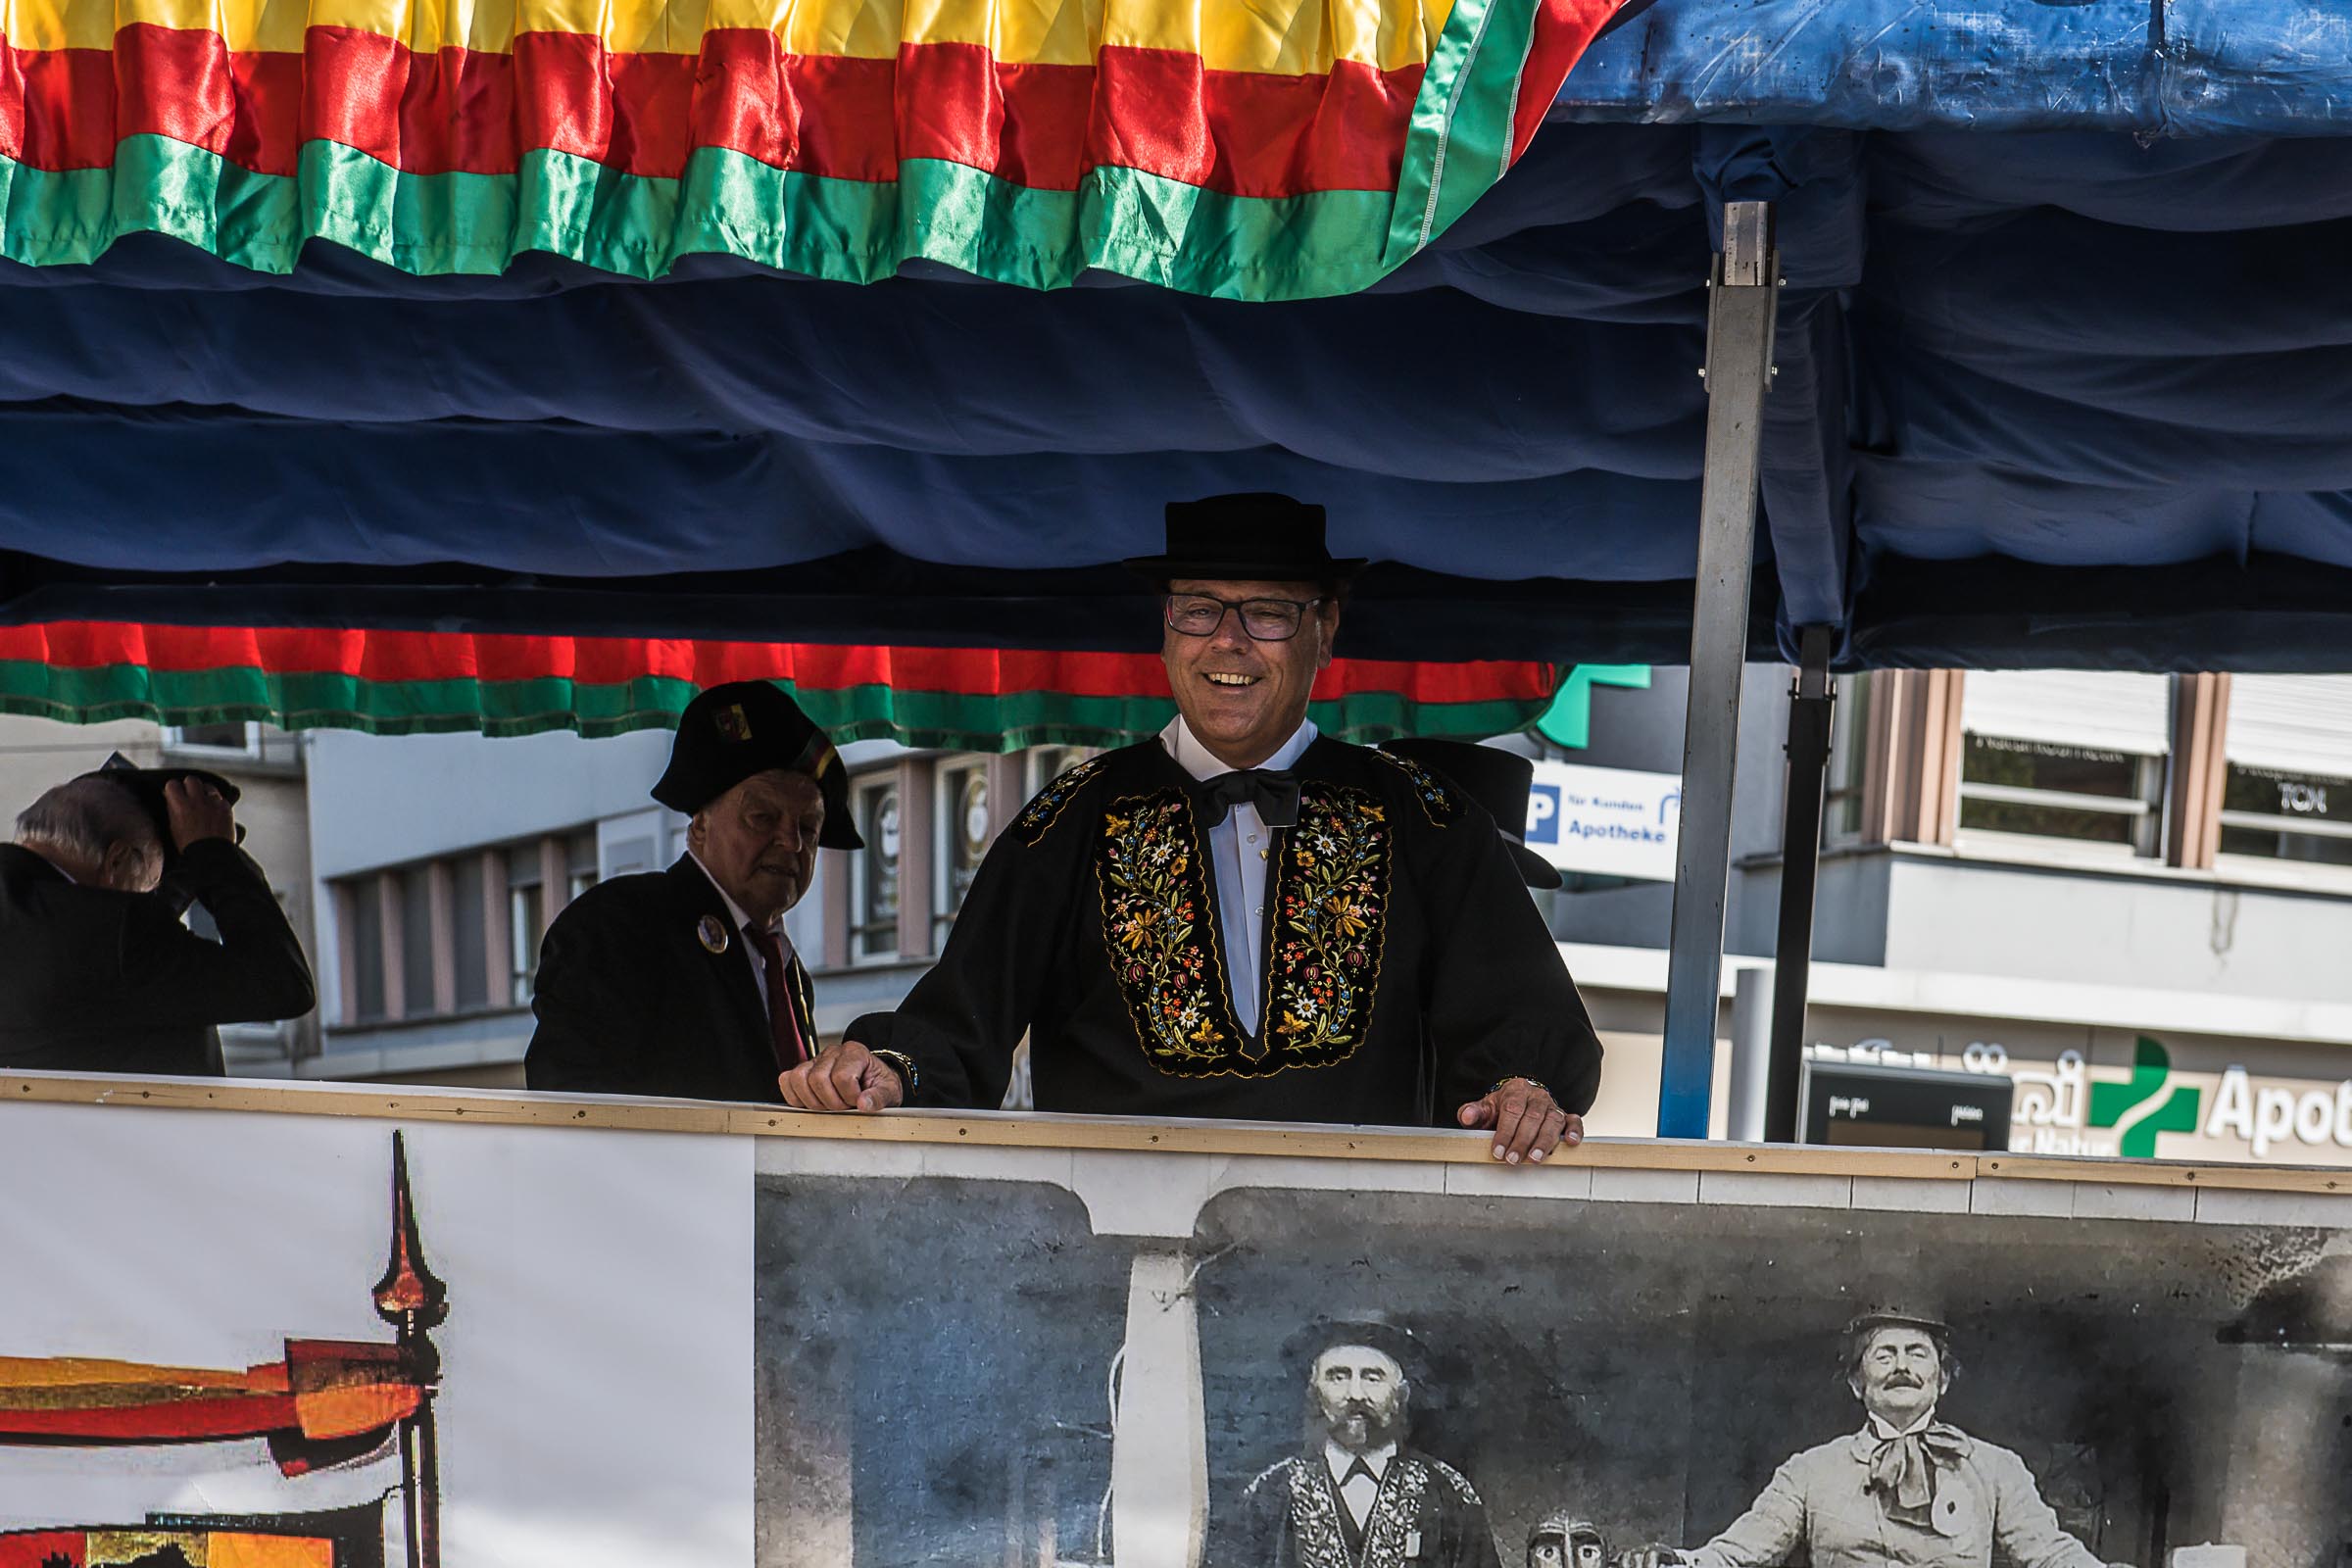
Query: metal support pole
(1752, 1056)
(1743, 295)
(1812, 707)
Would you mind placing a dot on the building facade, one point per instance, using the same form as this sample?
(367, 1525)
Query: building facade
(2126, 892)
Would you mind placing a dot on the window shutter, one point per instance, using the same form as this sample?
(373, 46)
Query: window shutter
(2292, 723)
(2100, 710)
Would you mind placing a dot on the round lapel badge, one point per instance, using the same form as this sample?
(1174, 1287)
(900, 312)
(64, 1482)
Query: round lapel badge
(714, 933)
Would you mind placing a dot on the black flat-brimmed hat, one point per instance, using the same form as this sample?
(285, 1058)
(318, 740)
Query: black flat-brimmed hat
(1393, 1339)
(1496, 779)
(146, 784)
(1906, 1315)
(730, 732)
(1258, 536)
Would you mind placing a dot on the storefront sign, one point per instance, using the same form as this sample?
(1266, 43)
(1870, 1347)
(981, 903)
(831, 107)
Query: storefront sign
(2155, 1109)
(1606, 821)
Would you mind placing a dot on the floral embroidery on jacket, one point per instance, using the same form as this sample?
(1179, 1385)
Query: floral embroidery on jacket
(1331, 923)
(1040, 813)
(1439, 802)
(1327, 892)
(1316, 1507)
(1157, 912)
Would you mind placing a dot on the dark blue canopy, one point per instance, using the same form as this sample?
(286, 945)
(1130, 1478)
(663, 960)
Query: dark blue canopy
(2064, 378)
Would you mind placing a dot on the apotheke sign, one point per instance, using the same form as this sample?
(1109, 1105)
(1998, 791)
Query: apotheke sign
(1606, 821)
(2067, 1110)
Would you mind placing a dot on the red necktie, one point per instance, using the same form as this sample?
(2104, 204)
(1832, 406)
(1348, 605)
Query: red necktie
(782, 1026)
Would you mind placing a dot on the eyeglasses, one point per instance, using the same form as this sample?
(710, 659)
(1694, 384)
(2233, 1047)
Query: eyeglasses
(1266, 620)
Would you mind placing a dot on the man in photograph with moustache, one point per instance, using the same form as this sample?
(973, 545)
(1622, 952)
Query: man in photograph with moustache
(1359, 1497)
(1908, 1490)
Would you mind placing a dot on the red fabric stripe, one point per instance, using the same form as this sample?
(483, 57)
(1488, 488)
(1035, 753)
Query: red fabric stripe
(1156, 110)
(393, 656)
(1564, 29)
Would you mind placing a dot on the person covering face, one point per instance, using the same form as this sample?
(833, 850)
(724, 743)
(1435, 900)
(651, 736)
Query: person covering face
(682, 982)
(1907, 1490)
(1241, 916)
(97, 972)
(1357, 1497)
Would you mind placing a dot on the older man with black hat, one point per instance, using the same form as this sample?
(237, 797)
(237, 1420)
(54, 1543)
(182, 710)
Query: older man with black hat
(97, 973)
(1242, 918)
(1359, 1497)
(680, 982)
(1908, 1490)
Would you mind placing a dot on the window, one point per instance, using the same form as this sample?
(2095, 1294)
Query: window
(1850, 730)
(468, 934)
(417, 941)
(581, 854)
(2068, 755)
(235, 739)
(363, 903)
(524, 920)
(961, 839)
(2288, 791)
(874, 890)
(1049, 762)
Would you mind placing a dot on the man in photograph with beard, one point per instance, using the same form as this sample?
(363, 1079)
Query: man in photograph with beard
(1359, 1497)
(1907, 1490)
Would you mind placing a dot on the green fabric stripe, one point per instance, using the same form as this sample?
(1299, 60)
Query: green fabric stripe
(948, 720)
(1123, 221)
(1461, 120)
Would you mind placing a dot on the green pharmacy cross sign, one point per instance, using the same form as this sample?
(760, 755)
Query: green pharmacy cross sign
(2141, 1106)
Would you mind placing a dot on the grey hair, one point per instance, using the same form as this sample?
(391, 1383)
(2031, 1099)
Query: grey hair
(85, 817)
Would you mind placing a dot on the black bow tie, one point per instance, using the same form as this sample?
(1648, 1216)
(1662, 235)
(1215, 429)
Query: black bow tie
(1275, 795)
(1359, 1468)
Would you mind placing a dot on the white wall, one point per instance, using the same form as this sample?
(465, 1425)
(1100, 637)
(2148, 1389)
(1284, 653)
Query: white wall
(383, 800)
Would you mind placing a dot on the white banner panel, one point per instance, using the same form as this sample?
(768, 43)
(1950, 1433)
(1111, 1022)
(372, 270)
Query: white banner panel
(593, 1401)
(228, 1340)
(2100, 710)
(1606, 821)
(2292, 723)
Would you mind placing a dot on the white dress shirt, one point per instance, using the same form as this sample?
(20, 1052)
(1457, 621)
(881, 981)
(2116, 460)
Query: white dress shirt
(1360, 1493)
(1237, 848)
(736, 938)
(1883, 1429)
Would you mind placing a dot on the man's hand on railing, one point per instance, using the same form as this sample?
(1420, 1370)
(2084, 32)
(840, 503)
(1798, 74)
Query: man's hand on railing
(1528, 1123)
(847, 1077)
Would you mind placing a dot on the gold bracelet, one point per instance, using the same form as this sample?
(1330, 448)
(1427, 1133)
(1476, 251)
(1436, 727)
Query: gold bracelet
(899, 1062)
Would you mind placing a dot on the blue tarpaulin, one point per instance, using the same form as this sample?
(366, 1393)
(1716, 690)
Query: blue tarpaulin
(2065, 377)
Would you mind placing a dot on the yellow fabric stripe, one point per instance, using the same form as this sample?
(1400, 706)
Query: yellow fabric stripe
(87, 1373)
(1288, 37)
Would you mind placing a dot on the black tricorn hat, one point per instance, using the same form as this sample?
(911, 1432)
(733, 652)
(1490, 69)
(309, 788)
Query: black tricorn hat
(1496, 779)
(146, 784)
(1372, 1331)
(732, 731)
(1257, 536)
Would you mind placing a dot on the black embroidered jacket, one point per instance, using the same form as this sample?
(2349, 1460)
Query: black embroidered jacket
(1394, 918)
(1425, 1515)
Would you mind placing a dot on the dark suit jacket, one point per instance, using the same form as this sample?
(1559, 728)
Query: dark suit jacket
(631, 1002)
(92, 980)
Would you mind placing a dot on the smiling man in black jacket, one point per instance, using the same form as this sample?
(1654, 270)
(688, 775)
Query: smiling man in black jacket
(97, 973)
